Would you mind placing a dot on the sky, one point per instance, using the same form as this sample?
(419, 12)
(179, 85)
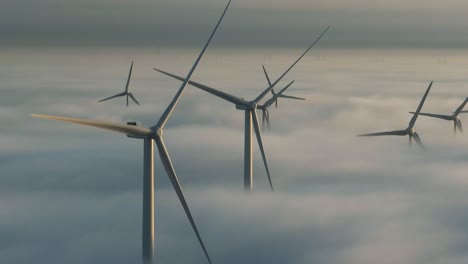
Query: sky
(72, 194)
(260, 23)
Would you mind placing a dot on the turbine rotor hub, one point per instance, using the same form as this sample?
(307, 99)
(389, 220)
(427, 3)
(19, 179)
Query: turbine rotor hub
(159, 132)
(252, 105)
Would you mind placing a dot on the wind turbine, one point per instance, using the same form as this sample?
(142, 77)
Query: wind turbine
(273, 99)
(408, 131)
(249, 108)
(149, 136)
(456, 121)
(126, 92)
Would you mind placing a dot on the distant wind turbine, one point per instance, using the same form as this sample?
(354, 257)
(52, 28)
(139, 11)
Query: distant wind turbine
(274, 99)
(126, 92)
(151, 135)
(249, 108)
(456, 121)
(408, 131)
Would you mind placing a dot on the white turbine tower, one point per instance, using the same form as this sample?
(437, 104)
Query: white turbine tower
(274, 99)
(410, 132)
(454, 117)
(126, 92)
(249, 108)
(149, 136)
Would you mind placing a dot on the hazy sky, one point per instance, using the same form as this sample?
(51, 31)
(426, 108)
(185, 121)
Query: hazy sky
(71, 194)
(262, 23)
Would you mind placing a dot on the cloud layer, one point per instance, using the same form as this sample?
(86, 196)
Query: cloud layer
(73, 194)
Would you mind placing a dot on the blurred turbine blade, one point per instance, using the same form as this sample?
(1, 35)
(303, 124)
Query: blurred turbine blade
(136, 131)
(133, 98)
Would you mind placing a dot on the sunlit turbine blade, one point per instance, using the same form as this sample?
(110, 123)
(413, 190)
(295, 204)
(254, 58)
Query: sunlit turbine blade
(136, 131)
(418, 141)
(133, 98)
(415, 116)
(166, 161)
(114, 96)
(460, 108)
(267, 77)
(388, 133)
(230, 98)
(464, 111)
(445, 117)
(128, 79)
(260, 144)
(290, 67)
(167, 113)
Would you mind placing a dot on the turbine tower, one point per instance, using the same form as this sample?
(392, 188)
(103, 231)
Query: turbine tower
(273, 99)
(149, 136)
(249, 108)
(126, 92)
(457, 125)
(410, 132)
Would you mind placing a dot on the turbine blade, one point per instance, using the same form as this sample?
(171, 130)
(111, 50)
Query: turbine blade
(464, 111)
(267, 77)
(445, 117)
(114, 96)
(455, 125)
(461, 106)
(290, 67)
(133, 98)
(136, 131)
(260, 143)
(263, 118)
(415, 116)
(291, 97)
(127, 99)
(285, 88)
(268, 120)
(460, 126)
(388, 133)
(165, 116)
(166, 161)
(230, 98)
(128, 79)
(418, 141)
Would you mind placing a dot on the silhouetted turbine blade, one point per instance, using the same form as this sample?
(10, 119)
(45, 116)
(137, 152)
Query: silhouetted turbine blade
(114, 96)
(460, 108)
(290, 67)
(128, 79)
(388, 133)
(260, 144)
(166, 161)
(133, 98)
(291, 97)
(167, 113)
(460, 126)
(445, 117)
(267, 77)
(415, 116)
(230, 98)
